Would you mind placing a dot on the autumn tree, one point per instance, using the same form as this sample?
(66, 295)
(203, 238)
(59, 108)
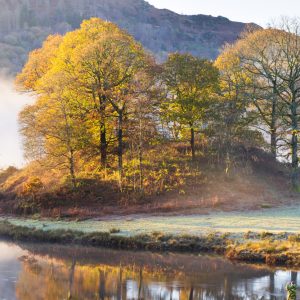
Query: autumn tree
(142, 122)
(190, 83)
(102, 62)
(92, 79)
(47, 126)
(270, 59)
(38, 64)
(287, 40)
(86, 57)
(260, 59)
(229, 116)
(50, 134)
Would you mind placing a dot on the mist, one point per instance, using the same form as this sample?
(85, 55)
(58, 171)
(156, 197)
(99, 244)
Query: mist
(11, 103)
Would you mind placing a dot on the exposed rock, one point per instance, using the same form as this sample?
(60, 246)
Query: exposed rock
(24, 24)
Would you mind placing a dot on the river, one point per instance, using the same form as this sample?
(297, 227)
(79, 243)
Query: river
(50, 272)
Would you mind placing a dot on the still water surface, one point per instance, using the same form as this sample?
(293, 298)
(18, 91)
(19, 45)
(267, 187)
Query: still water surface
(52, 272)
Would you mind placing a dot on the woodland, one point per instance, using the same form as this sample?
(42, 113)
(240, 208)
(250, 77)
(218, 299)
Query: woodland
(112, 126)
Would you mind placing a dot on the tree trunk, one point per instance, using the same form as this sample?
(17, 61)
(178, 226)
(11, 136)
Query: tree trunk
(72, 169)
(103, 145)
(294, 145)
(70, 149)
(295, 160)
(103, 140)
(274, 143)
(193, 143)
(120, 148)
(141, 158)
(273, 126)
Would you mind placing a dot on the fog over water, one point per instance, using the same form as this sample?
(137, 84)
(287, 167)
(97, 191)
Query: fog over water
(11, 104)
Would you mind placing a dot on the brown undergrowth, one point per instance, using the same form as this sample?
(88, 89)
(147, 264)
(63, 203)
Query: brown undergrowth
(172, 184)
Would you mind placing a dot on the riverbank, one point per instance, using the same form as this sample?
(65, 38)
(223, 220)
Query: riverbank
(281, 249)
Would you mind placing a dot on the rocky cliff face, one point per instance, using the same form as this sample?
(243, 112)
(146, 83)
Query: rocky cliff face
(24, 24)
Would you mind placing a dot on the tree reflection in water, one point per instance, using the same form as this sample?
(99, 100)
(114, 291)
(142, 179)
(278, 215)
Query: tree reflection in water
(58, 272)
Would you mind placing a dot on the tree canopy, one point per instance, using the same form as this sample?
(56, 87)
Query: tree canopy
(105, 109)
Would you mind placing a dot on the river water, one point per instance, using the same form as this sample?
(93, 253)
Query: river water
(52, 272)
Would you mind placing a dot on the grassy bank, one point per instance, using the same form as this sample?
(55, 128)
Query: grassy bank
(156, 241)
(277, 250)
(272, 249)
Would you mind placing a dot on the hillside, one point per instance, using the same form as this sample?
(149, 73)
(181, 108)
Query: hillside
(256, 183)
(24, 24)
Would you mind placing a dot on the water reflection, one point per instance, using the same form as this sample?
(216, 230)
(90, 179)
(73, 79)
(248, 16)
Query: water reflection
(34, 272)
